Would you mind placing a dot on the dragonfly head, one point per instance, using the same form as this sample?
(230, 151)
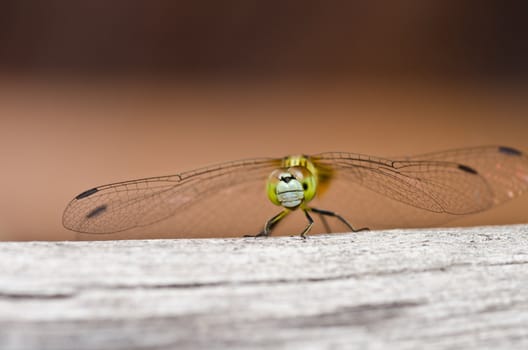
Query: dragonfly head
(290, 187)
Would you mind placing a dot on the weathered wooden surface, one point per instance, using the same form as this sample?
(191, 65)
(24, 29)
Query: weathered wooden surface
(409, 289)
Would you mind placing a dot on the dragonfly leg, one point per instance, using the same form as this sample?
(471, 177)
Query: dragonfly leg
(339, 217)
(270, 224)
(309, 226)
(325, 223)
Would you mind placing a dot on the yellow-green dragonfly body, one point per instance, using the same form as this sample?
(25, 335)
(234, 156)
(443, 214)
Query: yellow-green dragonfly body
(241, 198)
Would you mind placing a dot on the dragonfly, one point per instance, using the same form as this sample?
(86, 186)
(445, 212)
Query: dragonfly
(346, 191)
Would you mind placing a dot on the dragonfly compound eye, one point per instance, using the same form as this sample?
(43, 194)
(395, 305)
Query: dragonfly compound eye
(307, 179)
(290, 187)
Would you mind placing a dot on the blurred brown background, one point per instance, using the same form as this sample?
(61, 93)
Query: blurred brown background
(93, 92)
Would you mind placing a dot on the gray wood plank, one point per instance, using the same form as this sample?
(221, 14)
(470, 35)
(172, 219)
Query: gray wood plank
(403, 289)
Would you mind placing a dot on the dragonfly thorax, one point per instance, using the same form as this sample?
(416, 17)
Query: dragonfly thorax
(290, 187)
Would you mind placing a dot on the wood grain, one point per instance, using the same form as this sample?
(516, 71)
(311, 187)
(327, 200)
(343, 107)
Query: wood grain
(406, 289)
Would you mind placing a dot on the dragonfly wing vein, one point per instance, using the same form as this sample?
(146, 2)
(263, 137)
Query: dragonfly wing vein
(143, 202)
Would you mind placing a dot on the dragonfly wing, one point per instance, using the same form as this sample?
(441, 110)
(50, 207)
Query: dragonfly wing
(145, 202)
(453, 182)
(505, 169)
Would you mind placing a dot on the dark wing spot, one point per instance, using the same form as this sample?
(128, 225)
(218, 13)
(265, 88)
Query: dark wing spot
(87, 193)
(305, 186)
(97, 211)
(467, 169)
(509, 151)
